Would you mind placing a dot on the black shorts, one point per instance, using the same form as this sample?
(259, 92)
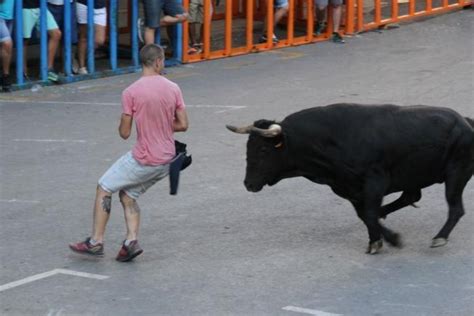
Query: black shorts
(153, 10)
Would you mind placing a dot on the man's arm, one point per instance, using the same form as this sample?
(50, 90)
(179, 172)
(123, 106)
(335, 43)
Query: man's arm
(125, 128)
(180, 123)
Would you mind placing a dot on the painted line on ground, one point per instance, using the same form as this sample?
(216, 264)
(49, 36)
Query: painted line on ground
(49, 140)
(18, 201)
(308, 311)
(40, 276)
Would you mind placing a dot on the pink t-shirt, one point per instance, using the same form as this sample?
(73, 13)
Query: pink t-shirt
(152, 102)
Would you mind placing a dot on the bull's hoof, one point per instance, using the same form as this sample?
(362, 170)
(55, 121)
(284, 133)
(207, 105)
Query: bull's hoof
(438, 242)
(374, 247)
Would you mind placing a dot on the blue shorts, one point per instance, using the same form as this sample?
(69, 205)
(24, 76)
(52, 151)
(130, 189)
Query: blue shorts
(58, 13)
(153, 9)
(280, 4)
(128, 175)
(5, 30)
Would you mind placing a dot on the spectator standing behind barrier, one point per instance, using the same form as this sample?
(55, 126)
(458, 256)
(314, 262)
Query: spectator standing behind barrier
(196, 21)
(321, 6)
(173, 11)
(281, 10)
(56, 7)
(156, 104)
(100, 23)
(31, 18)
(6, 42)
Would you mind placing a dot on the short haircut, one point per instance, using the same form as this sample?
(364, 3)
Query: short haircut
(150, 53)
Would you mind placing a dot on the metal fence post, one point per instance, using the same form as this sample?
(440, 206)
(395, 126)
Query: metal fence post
(43, 41)
(67, 38)
(90, 36)
(113, 34)
(134, 33)
(19, 41)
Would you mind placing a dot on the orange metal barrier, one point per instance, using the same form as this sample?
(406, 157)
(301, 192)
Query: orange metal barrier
(299, 23)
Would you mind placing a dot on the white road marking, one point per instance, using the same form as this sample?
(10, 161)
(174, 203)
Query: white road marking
(40, 276)
(308, 311)
(49, 140)
(18, 201)
(212, 106)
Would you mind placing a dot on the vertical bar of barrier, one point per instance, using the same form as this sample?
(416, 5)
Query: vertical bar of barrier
(134, 33)
(207, 29)
(310, 20)
(411, 9)
(19, 41)
(270, 23)
(90, 36)
(178, 49)
(378, 12)
(228, 27)
(290, 26)
(67, 38)
(249, 26)
(185, 41)
(429, 6)
(350, 16)
(113, 34)
(394, 10)
(360, 15)
(43, 41)
(445, 3)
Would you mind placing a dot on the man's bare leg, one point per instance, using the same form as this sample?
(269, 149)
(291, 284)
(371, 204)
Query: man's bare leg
(336, 16)
(132, 215)
(102, 207)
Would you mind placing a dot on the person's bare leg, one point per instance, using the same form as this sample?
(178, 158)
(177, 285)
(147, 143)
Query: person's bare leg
(102, 207)
(82, 45)
(336, 16)
(99, 35)
(320, 14)
(149, 35)
(279, 14)
(7, 48)
(53, 43)
(132, 215)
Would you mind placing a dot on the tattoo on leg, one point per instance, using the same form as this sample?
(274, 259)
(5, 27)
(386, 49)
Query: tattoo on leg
(135, 208)
(107, 204)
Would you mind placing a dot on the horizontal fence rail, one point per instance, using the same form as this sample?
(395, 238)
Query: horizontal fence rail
(230, 28)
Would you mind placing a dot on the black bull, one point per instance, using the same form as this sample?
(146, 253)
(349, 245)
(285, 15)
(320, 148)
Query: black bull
(364, 152)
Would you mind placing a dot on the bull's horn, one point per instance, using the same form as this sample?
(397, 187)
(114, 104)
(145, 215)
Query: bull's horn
(272, 131)
(240, 130)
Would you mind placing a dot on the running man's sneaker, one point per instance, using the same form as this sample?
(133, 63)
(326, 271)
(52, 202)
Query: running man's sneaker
(337, 38)
(141, 30)
(52, 76)
(127, 253)
(263, 39)
(6, 83)
(86, 248)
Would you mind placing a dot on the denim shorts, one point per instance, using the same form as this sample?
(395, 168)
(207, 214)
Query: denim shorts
(58, 13)
(153, 8)
(280, 4)
(5, 30)
(324, 3)
(128, 175)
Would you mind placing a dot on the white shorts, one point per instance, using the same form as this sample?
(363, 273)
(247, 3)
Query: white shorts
(100, 15)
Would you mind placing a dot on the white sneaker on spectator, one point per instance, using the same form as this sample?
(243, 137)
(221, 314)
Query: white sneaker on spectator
(82, 71)
(75, 66)
(141, 30)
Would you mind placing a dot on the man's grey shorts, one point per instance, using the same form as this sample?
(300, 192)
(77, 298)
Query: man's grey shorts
(128, 175)
(5, 30)
(324, 3)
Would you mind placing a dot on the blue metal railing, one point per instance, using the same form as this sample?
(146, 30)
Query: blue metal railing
(67, 45)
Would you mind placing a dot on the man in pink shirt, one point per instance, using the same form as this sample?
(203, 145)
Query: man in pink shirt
(156, 104)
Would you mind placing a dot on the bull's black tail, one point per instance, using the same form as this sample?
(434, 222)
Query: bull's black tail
(470, 121)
